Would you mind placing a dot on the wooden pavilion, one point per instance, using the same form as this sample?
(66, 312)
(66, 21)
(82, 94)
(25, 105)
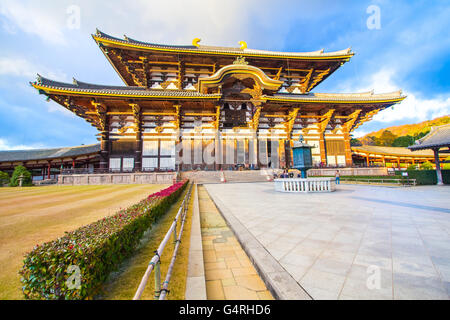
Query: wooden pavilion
(438, 140)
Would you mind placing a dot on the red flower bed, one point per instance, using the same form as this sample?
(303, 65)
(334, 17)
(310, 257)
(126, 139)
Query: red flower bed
(96, 249)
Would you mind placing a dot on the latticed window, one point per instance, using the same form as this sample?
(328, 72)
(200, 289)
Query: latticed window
(335, 147)
(123, 147)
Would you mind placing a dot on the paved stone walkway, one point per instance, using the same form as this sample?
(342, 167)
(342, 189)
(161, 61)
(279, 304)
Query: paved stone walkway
(229, 273)
(337, 245)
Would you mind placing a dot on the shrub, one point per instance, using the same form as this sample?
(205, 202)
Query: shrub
(423, 177)
(446, 166)
(4, 178)
(21, 171)
(426, 166)
(96, 249)
(412, 167)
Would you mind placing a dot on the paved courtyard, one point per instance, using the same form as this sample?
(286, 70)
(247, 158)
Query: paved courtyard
(360, 242)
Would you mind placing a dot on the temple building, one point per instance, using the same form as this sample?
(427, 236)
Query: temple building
(239, 106)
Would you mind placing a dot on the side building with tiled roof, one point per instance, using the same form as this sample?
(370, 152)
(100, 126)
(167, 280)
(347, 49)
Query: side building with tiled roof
(47, 163)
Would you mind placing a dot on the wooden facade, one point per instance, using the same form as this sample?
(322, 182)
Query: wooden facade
(204, 107)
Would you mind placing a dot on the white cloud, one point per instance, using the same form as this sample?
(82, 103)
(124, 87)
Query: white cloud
(6, 146)
(32, 17)
(20, 67)
(217, 22)
(413, 109)
(23, 68)
(359, 133)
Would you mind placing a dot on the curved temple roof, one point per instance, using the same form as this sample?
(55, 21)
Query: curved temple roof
(101, 37)
(395, 96)
(47, 154)
(78, 87)
(437, 138)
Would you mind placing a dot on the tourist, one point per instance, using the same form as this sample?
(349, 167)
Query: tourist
(338, 177)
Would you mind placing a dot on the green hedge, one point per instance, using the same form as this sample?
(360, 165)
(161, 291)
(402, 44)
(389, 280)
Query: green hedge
(426, 177)
(446, 176)
(96, 249)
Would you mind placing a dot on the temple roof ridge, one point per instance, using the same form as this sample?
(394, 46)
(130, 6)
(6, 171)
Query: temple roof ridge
(79, 84)
(88, 88)
(339, 97)
(371, 93)
(48, 153)
(345, 53)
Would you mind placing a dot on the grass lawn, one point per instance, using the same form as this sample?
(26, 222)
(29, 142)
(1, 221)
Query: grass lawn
(30, 216)
(123, 284)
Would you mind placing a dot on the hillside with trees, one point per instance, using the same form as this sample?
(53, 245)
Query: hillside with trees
(400, 136)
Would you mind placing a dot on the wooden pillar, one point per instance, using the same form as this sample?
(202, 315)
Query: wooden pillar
(384, 161)
(367, 160)
(103, 125)
(49, 171)
(137, 113)
(104, 150)
(138, 151)
(281, 154)
(398, 163)
(438, 167)
(288, 153)
(218, 151)
(323, 151)
(347, 149)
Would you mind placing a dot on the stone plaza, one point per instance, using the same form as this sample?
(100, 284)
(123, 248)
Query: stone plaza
(359, 242)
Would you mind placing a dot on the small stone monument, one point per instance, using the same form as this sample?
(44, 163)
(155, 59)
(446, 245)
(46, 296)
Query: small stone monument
(21, 177)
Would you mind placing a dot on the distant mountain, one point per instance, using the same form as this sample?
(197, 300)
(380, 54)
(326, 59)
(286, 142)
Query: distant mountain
(402, 136)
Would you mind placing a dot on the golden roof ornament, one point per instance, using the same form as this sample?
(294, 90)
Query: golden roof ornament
(195, 42)
(240, 60)
(243, 45)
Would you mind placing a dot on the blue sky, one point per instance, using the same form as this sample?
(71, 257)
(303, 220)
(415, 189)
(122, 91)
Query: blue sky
(410, 51)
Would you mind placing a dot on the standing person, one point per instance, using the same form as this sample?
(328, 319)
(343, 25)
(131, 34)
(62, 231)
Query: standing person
(338, 177)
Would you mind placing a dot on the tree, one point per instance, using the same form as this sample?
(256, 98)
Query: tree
(355, 142)
(368, 141)
(21, 171)
(403, 141)
(420, 135)
(412, 167)
(4, 178)
(426, 166)
(386, 139)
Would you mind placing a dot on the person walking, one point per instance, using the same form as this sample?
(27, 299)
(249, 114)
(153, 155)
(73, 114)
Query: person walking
(338, 177)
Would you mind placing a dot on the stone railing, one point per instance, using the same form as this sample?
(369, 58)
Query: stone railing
(118, 178)
(305, 185)
(381, 171)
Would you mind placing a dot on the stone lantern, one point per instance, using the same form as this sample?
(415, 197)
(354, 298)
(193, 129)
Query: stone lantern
(302, 157)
